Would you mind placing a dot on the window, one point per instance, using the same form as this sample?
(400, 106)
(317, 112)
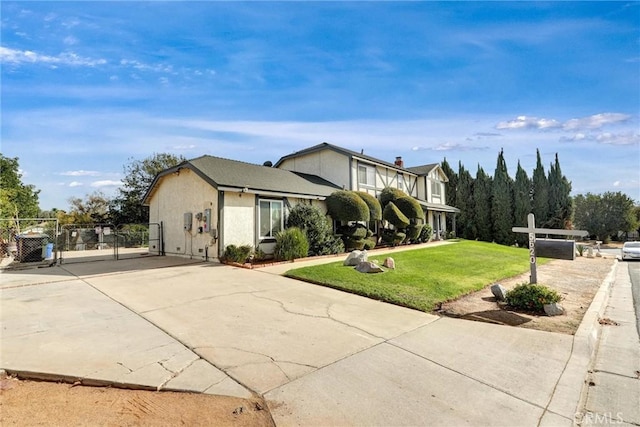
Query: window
(436, 189)
(401, 185)
(366, 176)
(271, 220)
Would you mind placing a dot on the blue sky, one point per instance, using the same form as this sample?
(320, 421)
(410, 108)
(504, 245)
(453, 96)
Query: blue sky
(89, 86)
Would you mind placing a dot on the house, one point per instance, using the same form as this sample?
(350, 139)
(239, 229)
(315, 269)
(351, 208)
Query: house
(208, 203)
(358, 172)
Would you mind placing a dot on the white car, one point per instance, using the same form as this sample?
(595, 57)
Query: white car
(631, 250)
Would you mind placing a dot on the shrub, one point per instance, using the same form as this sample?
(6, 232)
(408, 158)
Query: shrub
(291, 243)
(317, 227)
(345, 205)
(239, 254)
(413, 232)
(375, 210)
(390, 194)
(351, 243)
(409, 207)
(531, 297)
(357, 231)
(580, 249)
(393, 237)
(370, 243)
(426, 233)
(392, 214)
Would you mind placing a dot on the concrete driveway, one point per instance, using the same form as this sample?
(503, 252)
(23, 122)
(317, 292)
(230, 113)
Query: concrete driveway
(318, 355)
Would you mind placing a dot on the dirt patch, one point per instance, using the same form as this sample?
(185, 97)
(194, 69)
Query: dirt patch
(30, 403)
(576, 281)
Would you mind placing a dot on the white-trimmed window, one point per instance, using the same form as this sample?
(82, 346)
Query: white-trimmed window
(401, 183)
(436, 189)
(366, 176)
(270, 218)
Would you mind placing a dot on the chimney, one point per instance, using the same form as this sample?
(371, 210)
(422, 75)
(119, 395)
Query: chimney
(399, 162)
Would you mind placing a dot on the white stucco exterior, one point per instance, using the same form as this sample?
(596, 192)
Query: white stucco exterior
(328, 164)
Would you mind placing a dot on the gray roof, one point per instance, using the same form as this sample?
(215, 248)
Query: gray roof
(424, 169)
(221, 172)
(327, 146)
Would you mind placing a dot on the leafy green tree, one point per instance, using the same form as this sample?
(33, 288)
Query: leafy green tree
(521, 203)
(603, 216)
(560, 202)
(540, 193)
(94, 207)
(17, 199)
(501, 204)
(464, 198)
(344, 205)
(482, 205)
(139, 174)
(375, 210)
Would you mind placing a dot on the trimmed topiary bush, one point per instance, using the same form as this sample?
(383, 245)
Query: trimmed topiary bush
(531, 297)
(239, 254)
(392, 214)
(413, 232)
(375, 210)
(392, 237)
(409, 207)
(390, 194)
(291, 243)
(345, 205)
(370, 243)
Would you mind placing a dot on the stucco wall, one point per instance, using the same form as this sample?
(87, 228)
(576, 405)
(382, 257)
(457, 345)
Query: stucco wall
(175, 195)
(327, 164)
(239, 219)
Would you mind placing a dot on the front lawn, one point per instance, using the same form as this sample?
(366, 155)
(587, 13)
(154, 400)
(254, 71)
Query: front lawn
(425, 277)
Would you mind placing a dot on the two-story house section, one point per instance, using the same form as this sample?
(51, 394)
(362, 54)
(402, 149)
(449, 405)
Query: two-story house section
(431, 195)
(355, 171)
(351, 170)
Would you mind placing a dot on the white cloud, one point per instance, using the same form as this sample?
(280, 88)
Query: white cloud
(524, 122)
(106, 183)
(75, 184)
(70, 40)
(80, 173)
(158, 68)
(628, 138)
(616, 184)
(595, 121)
(17, 57)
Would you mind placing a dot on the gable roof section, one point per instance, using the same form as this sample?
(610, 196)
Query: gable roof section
(346, 152)
(233, 175)
(425, 170)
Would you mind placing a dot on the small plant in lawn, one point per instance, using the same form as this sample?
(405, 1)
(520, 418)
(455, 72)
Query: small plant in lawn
(291, 243)
(531, 297)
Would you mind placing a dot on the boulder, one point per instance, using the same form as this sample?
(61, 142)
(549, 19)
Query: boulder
(369, 267)
(499, 292)
(389, 263)
(355, 258)
(553, 309)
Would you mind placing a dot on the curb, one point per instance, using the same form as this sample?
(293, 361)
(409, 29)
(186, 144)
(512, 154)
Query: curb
(569, 393)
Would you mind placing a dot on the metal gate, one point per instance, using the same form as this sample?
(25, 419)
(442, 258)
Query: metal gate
(135, 240)
(86, 242)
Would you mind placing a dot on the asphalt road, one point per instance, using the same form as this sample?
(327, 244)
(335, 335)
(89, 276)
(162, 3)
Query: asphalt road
(634, 272)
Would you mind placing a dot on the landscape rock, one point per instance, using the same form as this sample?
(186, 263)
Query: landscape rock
(369, 267)
(499, 292)
(389, 263)
(553, 309)
(356, 257)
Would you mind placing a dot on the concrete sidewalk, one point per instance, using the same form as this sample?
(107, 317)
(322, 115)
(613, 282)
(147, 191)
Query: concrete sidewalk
(612, 394)
(319, 356)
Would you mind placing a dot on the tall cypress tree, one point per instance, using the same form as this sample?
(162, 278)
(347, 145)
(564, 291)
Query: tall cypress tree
(560, 202)
(501, 204)
(464, 195)
(540, 201)
(450, 189)
(521, 203)
(482, 205)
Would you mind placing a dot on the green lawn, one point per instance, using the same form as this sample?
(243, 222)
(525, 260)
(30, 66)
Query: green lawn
(425, 277)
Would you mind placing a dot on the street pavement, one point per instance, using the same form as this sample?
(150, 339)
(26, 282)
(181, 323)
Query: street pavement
(318, 356)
